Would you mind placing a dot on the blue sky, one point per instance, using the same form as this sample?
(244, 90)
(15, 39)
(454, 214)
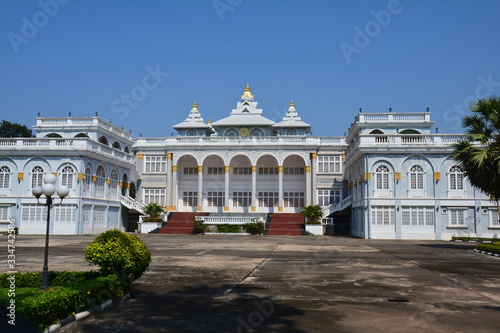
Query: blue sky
(329, 57)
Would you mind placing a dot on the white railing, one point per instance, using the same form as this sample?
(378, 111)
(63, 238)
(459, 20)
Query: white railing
(132, 204)
(337, 206)
(82, 122)
(213, 140)
(238, 220)
(394, 117)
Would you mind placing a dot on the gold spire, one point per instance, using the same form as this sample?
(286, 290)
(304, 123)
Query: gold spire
(209, 121)
(247, 94)
(195, 105)
(292, 104)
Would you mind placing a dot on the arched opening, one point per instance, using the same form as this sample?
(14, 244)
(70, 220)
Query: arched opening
(124, 184)
(116, 145)
(294, 183)
(53, 135)
(127, 150)
(240, 184)
(187, 178)
(103, 140)
(82, 135)
(214, 184)
(267, 183)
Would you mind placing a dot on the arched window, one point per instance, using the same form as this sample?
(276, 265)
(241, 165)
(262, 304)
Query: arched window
(67, 176)
(116, 145)
(416, 178)
(88, 182)
(103, 140)
(113, 185)
(231, 132)
(100, 181)
(37, 176)
(291, 131)
(456, 177)
(256, 132)
(382, 178)
(191, 132)
(4, 177)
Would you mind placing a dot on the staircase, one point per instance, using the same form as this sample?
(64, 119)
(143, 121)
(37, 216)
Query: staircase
(132, 204)
(286, 224)
(180, 223)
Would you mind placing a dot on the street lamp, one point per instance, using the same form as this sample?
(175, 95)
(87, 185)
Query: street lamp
(48, 189)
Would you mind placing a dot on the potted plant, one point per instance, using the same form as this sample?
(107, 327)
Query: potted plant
(153, 212)
(256, 227)
(313, 215)
(199, 227)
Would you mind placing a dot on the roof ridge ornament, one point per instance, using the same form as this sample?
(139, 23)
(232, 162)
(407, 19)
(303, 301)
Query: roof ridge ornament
(247, 95)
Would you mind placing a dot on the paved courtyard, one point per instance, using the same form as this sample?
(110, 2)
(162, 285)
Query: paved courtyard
(291, 284)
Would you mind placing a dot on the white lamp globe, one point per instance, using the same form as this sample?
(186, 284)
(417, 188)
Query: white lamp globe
(62, 191)
(37, 191)
(48, 190)
(49, 179)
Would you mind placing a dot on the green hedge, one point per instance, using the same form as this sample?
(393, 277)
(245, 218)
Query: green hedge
(76, 293)
(229, 228)
(474, 239)
(493, 248)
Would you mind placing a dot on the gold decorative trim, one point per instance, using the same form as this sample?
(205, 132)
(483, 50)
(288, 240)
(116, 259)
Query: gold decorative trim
(200, 168)
(94, 179)
(280, 168)
(140, 156)
(226, 208)
(397, 176)
(308, 168)
(314, 156)
(169, 156)
(253, 209)
(167, 207)
(120, 184)
(200, 208)
(174, 168)
(437, 175)
(108, 181)
(280, 209)
(173, 208)
(127, 185)
(227, 168)
(20, 175)
(254, 168)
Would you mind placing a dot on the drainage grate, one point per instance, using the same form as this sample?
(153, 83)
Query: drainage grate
(398, 300)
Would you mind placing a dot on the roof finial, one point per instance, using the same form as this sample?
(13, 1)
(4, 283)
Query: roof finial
(292, 104)
(247, 94)
(195, 105)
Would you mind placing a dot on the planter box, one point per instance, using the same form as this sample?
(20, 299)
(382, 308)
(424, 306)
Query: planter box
(145, 227)
(315, 229)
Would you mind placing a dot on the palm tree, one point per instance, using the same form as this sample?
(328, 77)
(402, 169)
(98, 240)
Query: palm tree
(479, 153)
(313, 213)
(153, 210)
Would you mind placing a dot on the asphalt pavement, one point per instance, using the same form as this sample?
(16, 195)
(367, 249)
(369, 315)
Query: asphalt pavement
(214, 283)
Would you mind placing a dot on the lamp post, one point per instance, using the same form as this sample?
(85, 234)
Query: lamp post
(48, 189)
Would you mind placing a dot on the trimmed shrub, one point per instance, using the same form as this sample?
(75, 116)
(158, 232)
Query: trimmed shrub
(60, 279)
(229, 228)
(118, 253)
(488, 248)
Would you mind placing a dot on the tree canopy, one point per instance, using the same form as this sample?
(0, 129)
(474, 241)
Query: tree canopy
(14, 130)
(479, 153)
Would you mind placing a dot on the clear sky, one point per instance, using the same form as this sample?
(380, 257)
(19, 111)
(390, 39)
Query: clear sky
(143, 63)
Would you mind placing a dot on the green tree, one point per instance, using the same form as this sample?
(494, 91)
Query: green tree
(153, 210)
(313, 213)
(479, 153)
(14, 130)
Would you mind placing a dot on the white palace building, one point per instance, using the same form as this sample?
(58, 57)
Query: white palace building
(389, 178)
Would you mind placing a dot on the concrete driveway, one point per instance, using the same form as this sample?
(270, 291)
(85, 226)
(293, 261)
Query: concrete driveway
(291, 284)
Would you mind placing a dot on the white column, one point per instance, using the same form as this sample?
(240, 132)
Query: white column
(174, 188)
(254, 188)
(200, 188)
(313, 177)
(308, 185)
(226, 188)
(168, 191)
(280, 189)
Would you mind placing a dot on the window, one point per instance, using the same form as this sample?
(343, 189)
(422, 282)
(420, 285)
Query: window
(67, 176)
(155, 163)
(100, 182)
(37, 176)
(416, 178)
(495, 219)
(4, 177)
(268, 171)
(191, 171)
(268, 199)
(383, 216)
(191, 132)
(382, 178)
(293, 171)
(113, 185)
(256, 132)
(418, 216)
(215, 199)
(329, 164)
(242, 171)
(4, 213)
(100, 217)
(190, 199)
(242, 199)
(291, 131)
(328, 197)
(34, 214)
(87, 216)
(88, 182)
(65, 213)
(215, 170)
(457, 217)
(232, 132)
(456, 177)
(156, 195)
(293, 199)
